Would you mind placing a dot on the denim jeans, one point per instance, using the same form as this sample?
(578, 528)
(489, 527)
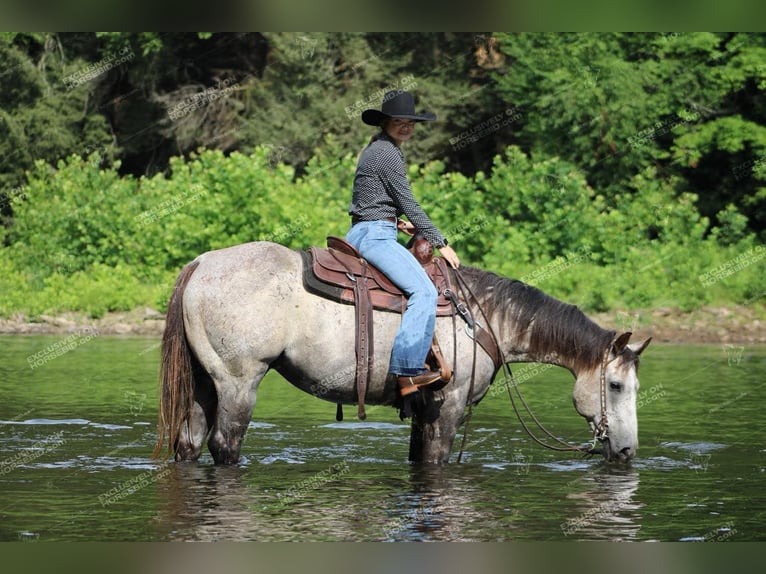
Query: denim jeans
(377, 242)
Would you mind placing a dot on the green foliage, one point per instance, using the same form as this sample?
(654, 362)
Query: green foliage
(739, 181)
(87, 239)
(612, 170)
(99, 289)
(539, 221)
(14, 288)
(617, 104)
(37, 123)
(613, 105)
(75, 217)
(149, 42)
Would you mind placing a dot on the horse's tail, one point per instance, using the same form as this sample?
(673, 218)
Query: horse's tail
(176, 376)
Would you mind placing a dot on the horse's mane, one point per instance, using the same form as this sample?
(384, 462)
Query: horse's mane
(552, 325)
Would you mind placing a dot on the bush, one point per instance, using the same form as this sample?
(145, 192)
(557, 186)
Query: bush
(96, 291)
(87, 239)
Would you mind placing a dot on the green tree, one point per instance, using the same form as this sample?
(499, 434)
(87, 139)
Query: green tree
(39, 118)
(688, 104)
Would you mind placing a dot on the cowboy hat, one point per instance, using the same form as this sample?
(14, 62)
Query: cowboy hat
(396, 104)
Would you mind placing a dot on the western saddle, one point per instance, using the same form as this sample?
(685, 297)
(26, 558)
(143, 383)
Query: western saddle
(340, 273)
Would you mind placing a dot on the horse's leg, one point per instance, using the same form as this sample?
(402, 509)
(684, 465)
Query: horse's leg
(238, 310)
(434, 426)
(236, 400)
(193, 433)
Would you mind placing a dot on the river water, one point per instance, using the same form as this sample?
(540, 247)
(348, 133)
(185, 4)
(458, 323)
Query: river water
(77, 426)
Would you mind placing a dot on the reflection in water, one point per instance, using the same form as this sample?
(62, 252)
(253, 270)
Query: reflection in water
(427, 503)
(604, 501)
(295, 502)
(206, 503)
(436, 505)
(209, 503)
(213, 503)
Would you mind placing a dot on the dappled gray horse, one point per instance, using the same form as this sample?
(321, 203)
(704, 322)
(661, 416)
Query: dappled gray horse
(237, 312)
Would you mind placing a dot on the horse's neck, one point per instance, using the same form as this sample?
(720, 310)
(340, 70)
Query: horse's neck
(517, 350)
(577, 351)
(534, 327)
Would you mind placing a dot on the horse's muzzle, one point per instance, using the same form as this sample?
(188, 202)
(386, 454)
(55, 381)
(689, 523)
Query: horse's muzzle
(605, 449)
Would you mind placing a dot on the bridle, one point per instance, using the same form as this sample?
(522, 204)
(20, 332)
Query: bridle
(600, 429)
(600, 432)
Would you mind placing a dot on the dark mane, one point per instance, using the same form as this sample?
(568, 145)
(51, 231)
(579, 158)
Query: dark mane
(552, 325)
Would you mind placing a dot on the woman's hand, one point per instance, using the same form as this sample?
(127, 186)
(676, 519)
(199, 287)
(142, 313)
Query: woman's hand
(405, 227)
(450, 256)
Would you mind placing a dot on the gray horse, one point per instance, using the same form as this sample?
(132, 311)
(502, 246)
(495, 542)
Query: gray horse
(237, 312)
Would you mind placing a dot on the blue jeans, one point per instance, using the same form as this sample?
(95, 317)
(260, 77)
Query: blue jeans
(377, 242)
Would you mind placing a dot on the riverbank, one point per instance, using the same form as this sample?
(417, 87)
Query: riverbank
(729, 324)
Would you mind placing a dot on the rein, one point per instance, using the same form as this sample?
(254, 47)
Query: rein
(600, 430)
(466, 314)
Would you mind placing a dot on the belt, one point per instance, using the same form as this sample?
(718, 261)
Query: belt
(355, 219)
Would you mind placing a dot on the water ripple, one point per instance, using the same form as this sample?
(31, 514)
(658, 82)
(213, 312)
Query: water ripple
(695, 447)
(365, 425)
(79, 422)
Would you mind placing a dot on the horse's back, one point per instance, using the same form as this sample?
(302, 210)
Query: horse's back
(246, 259)
(246, 274)
(242, 293)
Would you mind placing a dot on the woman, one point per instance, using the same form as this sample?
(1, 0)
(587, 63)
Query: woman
(381, 194)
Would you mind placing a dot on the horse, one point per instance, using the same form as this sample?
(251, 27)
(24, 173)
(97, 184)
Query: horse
(237, 312)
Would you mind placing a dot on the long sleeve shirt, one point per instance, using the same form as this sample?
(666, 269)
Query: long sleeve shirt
(381, 190)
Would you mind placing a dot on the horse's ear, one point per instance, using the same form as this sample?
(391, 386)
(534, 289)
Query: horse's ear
(638, 348)
(620, 343)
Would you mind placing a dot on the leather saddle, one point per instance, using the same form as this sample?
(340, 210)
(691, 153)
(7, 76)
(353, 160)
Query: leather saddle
(340, 273)
(338, 269)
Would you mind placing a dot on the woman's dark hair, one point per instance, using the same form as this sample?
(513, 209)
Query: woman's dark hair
(380, 135)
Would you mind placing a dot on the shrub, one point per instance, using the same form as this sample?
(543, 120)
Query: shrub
(87, 239)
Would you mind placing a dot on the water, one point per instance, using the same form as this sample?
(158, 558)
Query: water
(76, 432)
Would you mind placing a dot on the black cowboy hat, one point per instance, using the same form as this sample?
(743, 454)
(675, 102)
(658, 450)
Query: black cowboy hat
(396, 104)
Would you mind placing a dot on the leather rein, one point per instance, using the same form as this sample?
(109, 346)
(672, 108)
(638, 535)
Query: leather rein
(600, 430)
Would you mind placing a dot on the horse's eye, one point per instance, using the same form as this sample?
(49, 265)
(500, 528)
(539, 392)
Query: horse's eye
(615, 386)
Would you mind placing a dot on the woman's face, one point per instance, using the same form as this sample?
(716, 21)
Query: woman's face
(399, 129)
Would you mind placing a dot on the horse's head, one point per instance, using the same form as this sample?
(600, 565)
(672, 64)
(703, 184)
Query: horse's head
(620, 379)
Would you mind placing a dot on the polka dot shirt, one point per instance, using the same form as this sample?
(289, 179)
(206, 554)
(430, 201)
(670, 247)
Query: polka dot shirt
(381, 190)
